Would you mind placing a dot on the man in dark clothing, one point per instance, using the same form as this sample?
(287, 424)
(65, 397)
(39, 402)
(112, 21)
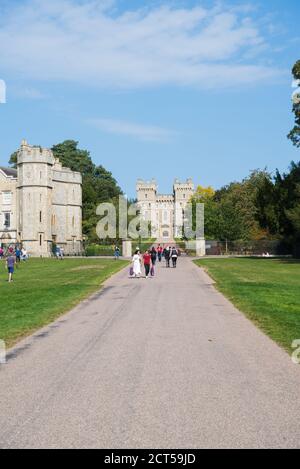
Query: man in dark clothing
(159, 252)
(174, 255)
(18, 255)
(153, 256)
(167, 255)
(147, 263)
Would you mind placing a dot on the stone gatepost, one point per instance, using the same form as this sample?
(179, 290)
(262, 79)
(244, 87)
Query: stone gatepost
(127, 248)
(200, 247)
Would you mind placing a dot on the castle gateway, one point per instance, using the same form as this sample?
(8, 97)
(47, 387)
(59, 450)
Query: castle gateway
(164, 212)
(40, 203)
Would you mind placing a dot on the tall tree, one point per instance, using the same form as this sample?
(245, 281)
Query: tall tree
(294, 134)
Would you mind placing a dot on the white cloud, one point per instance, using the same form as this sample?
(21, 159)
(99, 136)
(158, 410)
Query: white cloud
(92, 42)
(139, 131)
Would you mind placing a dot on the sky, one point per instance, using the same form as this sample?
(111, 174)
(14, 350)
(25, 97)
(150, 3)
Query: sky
(164, 89)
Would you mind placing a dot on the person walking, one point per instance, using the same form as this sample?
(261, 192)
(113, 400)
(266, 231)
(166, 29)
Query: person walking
(167, 255)
(147, 263)
(117, 253)
(136, 261)
(10, 264)
(1, 253)
(159, 252)
(174, 256)
(24, 255)
(18, 255)
(58, 253)
(153, 256)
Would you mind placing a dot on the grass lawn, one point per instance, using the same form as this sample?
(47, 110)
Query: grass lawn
(43, 289)
(266, 290)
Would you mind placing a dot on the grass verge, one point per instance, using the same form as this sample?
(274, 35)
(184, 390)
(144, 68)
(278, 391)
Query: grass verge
(266, 290)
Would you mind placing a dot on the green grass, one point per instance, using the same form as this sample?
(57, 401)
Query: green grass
(266, 290)
(44, 289)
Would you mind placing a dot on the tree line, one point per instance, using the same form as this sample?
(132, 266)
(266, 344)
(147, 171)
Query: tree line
(261, 206)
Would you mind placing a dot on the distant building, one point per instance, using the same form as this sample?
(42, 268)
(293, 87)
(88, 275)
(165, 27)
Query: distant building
(40, 203)
(165, 212)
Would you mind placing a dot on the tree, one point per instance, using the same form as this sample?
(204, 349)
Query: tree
(13, 160)
(238, 211)
(294, 134)
(205, 195)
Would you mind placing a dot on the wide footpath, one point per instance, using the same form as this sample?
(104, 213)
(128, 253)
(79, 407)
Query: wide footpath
(166, 362)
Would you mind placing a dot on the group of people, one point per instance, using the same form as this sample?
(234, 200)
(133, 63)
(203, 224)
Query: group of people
(12, 257)
(149, 259)
(59, 253)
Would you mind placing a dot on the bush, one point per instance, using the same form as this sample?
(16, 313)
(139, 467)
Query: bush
(100, 250)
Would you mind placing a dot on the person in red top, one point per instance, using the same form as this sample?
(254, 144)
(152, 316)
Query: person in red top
(147, 263)
(159, 252)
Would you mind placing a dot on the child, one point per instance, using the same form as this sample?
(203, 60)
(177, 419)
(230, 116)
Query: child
(117, 253)
(10, 263)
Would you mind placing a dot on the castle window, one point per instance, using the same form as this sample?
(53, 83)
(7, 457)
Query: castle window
(73, 222)
(40, 217)
(7, 219)
(41, 239)
(146, 196)
(40, 174)
(6, 198)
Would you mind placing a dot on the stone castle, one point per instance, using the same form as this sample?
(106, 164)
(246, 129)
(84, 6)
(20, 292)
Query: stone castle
(40, 203)
(165, 212)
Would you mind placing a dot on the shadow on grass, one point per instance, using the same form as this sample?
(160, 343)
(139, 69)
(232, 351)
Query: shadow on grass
(282, 260)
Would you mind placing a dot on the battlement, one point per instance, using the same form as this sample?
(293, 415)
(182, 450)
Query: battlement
(161, 198)
(146, 185)
(34, 154)
(66, 175)
(187, 185)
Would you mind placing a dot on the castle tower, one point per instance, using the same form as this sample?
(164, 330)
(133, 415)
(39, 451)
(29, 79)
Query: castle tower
(146, 201)
(34, 193)
(183, 193)
(146, 191)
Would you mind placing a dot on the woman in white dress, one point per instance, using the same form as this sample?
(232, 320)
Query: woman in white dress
(136, 260)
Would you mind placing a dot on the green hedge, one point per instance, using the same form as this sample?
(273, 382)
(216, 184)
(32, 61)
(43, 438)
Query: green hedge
(100, 250)
(109, 250)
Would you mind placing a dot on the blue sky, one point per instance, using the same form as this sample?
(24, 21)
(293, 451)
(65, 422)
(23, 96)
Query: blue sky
(153, 89)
